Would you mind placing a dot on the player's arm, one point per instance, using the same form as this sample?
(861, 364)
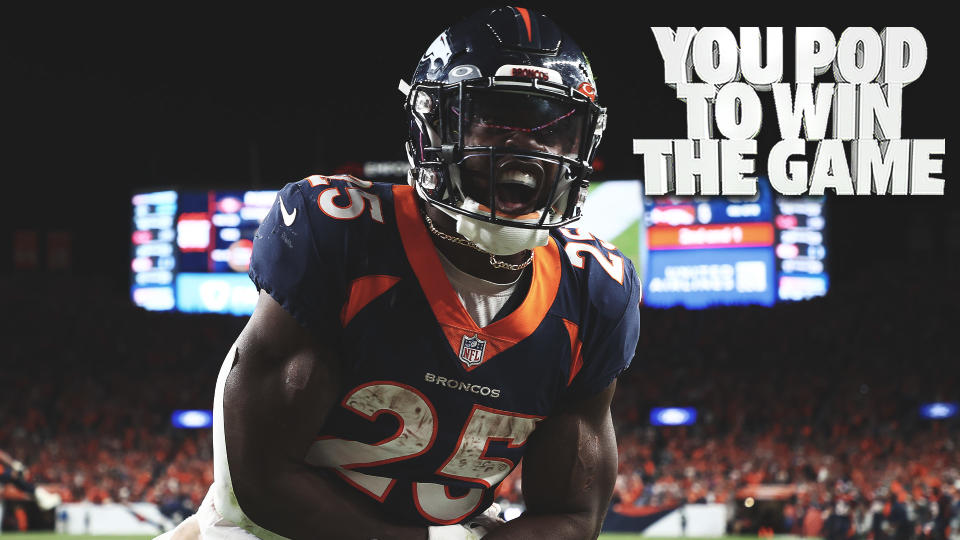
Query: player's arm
(569, 470)
(276, 396)
(570, 462)
(17, 468)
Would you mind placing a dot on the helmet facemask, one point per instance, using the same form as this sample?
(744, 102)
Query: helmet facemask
(508, 151)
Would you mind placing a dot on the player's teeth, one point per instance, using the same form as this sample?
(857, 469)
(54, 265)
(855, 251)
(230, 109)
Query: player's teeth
(518, 177)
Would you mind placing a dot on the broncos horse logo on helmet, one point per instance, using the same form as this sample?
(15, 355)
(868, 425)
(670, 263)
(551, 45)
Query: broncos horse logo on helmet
(504, 124)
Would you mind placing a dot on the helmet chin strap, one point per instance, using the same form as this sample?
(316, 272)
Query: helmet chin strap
(494, 262)
(494, 238)
(489, 237)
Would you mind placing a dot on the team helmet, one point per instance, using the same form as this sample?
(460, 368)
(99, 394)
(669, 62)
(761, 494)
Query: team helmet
(504, 121)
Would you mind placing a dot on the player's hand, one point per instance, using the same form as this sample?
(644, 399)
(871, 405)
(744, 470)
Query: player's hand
(487, 521)
(474, 529)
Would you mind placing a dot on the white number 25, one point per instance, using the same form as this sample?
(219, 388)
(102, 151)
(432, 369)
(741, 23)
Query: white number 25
(415, 435)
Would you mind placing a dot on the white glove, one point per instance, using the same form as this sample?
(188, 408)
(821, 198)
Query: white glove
(46, 499)
(474, 529)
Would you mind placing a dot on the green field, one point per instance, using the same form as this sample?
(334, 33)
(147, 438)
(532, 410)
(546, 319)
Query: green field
(54, 536)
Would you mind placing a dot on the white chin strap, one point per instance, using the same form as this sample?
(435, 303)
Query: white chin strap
(497, 239)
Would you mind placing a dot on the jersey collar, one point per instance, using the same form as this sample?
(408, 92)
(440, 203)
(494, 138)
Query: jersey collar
(454, 320)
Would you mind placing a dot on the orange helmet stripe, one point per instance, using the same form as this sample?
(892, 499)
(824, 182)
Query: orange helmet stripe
(526, 20)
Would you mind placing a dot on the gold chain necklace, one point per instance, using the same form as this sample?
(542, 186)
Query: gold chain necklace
(494, 262)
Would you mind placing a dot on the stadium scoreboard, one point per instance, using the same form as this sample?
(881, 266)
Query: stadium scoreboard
(190, 250)
(733, 250)
(698, 252)
(800, 250)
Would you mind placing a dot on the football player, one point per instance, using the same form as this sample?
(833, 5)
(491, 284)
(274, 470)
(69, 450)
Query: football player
(412, 343)
(14, 472)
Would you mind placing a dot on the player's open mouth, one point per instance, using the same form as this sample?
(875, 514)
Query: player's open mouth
(517, 186)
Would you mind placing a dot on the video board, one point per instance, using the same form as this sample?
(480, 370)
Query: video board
(801, 252)
(191, 249)
(702, 251)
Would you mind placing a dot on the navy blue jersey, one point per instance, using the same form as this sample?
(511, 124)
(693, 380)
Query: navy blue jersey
(435, 411)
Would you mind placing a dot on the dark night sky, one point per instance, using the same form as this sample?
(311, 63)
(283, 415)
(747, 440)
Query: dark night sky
(101, 101)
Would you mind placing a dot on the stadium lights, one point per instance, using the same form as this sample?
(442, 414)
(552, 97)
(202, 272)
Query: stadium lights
(938, 410)
(192, 419)
(673, 416)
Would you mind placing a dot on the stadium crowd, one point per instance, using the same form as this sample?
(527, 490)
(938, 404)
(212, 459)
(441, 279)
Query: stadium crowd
(89, 382)
(816, 402)
(821, 397)
(809, 409)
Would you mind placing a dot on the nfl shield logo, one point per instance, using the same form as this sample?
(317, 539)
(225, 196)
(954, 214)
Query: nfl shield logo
(471, 350)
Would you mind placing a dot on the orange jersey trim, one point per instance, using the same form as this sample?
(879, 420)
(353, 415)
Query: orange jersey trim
(576, 348)
(364, 290)
(446, 305)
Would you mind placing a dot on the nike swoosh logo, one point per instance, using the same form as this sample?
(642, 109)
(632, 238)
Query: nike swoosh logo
(288, 217)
